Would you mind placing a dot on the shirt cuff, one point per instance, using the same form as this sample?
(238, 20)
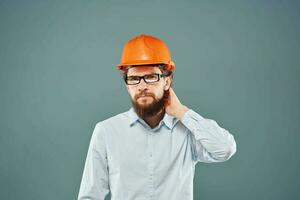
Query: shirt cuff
(193, 121)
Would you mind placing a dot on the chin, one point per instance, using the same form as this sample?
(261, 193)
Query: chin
(144, 105)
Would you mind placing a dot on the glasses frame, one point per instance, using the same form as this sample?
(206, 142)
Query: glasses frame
(143, 77)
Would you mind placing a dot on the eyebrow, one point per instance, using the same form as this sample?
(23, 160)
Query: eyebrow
(145, 74)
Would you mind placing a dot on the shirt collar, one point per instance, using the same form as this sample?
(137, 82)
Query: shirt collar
(168, 120)
(133, 117)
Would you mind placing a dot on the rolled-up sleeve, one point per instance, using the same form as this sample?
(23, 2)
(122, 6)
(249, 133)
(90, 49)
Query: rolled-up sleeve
(210, 142)
(94, 183)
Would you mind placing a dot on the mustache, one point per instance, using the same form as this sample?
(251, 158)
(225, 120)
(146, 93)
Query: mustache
(143, 94)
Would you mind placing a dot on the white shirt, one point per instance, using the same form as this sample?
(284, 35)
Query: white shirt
(135, 162)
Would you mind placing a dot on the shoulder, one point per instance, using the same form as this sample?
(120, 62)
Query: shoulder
(115, 120)
(102, 128)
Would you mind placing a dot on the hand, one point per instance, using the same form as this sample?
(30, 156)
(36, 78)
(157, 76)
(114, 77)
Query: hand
(174, 107)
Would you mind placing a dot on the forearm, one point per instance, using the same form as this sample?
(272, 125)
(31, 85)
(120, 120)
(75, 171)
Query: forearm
(217, 141)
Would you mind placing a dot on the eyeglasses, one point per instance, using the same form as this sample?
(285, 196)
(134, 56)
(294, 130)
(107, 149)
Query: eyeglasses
(148, 78)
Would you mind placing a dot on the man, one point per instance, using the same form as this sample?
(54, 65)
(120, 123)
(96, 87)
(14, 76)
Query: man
(150, 151)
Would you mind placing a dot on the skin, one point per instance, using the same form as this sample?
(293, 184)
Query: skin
(174, 107)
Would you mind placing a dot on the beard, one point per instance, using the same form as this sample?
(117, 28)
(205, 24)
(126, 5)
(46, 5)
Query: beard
(151, 109)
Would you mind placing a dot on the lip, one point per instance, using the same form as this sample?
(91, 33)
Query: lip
(144, 96)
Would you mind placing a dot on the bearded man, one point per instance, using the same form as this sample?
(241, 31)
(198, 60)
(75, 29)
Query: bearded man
(150, 151)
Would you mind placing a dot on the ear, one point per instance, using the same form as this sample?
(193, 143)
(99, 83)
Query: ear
(168, 83)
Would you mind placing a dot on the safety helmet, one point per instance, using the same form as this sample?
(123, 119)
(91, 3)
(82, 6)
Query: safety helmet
(144, 50)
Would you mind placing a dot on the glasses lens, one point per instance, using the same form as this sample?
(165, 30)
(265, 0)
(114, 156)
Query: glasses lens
(151, 78)
(132, 80)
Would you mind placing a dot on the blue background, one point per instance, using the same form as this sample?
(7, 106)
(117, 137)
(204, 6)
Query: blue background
(237, 63)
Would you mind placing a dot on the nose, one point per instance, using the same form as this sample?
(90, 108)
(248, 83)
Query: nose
(142, 85)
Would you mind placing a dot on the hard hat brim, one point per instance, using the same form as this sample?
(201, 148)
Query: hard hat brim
(170, 66)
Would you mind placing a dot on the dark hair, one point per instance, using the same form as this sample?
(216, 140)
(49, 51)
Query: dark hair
(162, 68)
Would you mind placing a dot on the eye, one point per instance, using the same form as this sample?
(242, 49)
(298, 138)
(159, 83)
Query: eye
(151, 77)
(132, 80)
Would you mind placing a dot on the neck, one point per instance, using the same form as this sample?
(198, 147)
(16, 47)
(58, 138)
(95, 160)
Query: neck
(154, 120)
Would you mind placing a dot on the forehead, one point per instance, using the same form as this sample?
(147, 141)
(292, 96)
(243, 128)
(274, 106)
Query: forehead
(142, 70)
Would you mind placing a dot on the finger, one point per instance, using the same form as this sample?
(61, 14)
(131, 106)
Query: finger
(173, 94)
(172, 91)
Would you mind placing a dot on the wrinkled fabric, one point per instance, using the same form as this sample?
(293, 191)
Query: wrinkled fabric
(133, 161)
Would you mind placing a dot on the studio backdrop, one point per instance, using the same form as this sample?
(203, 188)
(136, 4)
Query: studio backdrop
(237, 62)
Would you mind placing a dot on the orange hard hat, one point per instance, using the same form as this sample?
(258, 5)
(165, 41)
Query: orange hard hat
(144, 50)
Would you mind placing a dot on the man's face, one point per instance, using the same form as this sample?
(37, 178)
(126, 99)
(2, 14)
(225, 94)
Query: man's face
(148, 98)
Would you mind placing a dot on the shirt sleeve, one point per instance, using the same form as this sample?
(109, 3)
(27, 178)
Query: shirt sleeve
(210, 142)
(94, 183)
